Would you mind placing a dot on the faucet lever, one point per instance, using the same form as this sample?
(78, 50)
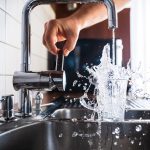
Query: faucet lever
(59, 61)
(60, 56)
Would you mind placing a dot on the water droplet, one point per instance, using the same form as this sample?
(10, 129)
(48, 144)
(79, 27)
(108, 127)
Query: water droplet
(138, 128)
(75, 134)
(140, 143)
(115, 143)
(60, 135)
(79, 85)
(84, 88)
(132, 141)
(117, 136)
(74, 119)
(75, 82)
(113, 132)
(85, 117)
(117, 130)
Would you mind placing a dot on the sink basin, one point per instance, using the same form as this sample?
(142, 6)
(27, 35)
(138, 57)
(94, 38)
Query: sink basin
(70, 129)
(74, 135)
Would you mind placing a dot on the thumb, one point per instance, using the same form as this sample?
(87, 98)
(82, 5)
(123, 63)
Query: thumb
(70, 44)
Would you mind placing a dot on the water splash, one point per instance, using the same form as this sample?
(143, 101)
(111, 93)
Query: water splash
(104, 77)
(117, 130)
(113, 46)
(75, 82)
(138, 128)
(60, 135)
(74, 134)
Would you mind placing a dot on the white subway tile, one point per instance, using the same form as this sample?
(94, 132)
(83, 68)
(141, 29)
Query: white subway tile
(12, 8)
(2, 4)
(2, 85)
(10, 88)
(9, 85)
(13, 31)
(2, 58)
(20, 8)
(13, 60)
(2, 25)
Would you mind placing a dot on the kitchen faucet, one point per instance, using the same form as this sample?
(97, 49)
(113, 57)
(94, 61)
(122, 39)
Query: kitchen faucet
(53, 79)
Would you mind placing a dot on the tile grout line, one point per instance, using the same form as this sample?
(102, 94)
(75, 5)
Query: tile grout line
(10, 15)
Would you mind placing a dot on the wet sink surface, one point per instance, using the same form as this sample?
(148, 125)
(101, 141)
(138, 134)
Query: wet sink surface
(79, 135)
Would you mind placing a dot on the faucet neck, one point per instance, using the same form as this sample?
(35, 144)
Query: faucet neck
(112, 23)
(112, 15)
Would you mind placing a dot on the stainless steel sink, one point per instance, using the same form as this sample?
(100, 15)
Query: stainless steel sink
(49, 135)
(62, 134)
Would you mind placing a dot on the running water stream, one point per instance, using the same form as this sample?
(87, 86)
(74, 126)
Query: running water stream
(113, 47)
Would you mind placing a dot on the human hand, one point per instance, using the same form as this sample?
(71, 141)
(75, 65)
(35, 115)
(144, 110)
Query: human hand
(58, 30)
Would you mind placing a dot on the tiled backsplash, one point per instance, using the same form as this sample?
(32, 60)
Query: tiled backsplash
(10, 41)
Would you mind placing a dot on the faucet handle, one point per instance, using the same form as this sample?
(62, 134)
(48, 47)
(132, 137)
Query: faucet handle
(60, 56)
(59, 61)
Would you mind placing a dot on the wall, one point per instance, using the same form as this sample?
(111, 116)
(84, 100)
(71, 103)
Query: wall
(10, 41)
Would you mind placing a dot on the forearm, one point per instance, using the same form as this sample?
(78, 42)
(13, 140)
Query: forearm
(91, 14)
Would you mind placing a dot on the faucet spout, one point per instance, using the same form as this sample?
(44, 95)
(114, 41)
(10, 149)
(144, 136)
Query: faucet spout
(112, 23)
(112, 15)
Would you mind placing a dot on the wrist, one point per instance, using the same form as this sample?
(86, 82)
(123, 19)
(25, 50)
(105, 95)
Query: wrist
(77, 21)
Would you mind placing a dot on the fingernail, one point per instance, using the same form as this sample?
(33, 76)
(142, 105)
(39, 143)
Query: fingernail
(66, 52)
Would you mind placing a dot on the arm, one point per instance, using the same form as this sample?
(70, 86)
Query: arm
(68, 28)
(91, 14)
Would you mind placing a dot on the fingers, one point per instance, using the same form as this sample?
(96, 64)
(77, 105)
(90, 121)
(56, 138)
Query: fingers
(60, 30)
(50, 37)
(70, 44)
